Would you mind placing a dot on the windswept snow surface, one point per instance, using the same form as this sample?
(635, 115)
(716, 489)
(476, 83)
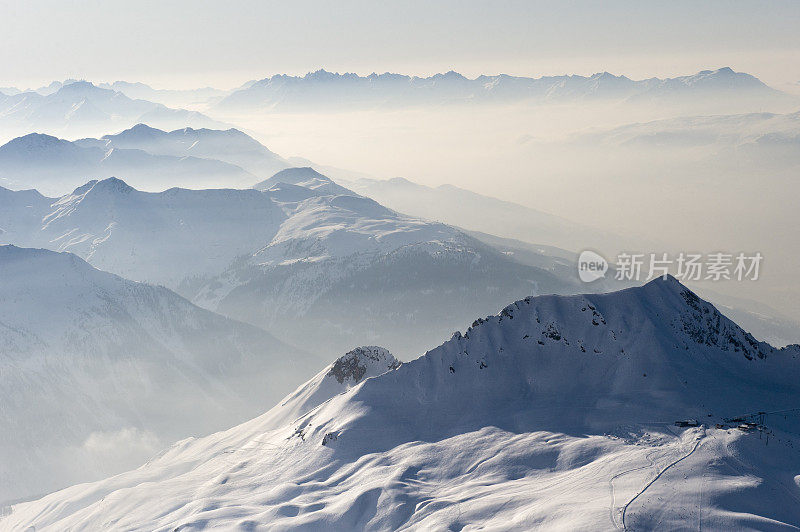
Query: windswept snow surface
(555, 414)
(97, 373)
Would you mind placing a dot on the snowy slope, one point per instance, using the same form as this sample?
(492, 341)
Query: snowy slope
(555, 414)
(55, 166)
(343, 266)
(97, 372)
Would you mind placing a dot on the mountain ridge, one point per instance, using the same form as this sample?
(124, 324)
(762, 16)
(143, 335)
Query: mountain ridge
(293, 92)
(81, 108)
(522, 414)
(148, 157)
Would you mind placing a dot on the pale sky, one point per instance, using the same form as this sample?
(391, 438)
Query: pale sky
(185, 43)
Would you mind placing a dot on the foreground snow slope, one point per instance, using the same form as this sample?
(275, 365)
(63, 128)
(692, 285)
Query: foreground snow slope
(97, 372)
(555, 414)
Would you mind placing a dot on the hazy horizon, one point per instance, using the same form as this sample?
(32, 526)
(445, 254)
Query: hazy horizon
(226, 45)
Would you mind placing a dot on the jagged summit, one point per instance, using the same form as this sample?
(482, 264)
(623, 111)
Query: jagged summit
(361, 363)
(314, 89)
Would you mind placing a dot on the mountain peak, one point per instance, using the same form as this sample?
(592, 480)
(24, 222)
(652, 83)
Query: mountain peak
(108, 185)
(298, 174)
(303, 176)
(34, 139)
(139, 131)
(450, 75)
(666, 281)
(140, 127)
(81, 88)
(362, 362)
(42, 263)
(43, 147)
(113, 184)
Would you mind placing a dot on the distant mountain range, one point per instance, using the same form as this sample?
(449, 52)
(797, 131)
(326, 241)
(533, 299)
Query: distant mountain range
(322, 89)
(138, 91)
(81, 109)
(97, 373)
(65, 106)
(148, 158)
(557, 413)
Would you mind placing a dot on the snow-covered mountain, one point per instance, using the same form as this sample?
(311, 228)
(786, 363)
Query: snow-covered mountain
(343, 263)
(305, 177)
(557, 413)
(199, 97)
(97, 372)
(81, 108)
(230, 146)
(328, 90)
(55, 166)
(162, 238)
